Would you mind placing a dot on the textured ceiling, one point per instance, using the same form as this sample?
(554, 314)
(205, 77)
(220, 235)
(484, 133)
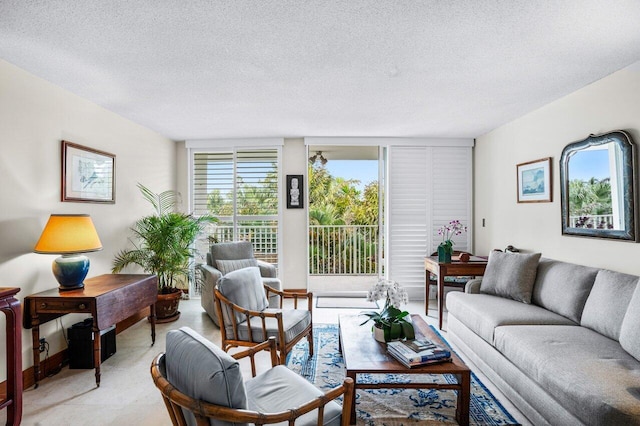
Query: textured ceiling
(233, 68)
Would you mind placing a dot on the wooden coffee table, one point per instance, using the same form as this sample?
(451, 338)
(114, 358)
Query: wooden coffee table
(364, 355)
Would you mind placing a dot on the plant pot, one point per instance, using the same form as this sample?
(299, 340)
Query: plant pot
(167, 306)
(378, 334)
(444, 255)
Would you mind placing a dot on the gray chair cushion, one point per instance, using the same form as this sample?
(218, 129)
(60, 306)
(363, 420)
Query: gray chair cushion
(608, 301)
(226, 266)
(482, 313)
(280, 389)
(630, 330)
(200, 369)
(243, 288)
(510, 275)
(294, 321)
(231, 251)
(587, 373)
(563, 287)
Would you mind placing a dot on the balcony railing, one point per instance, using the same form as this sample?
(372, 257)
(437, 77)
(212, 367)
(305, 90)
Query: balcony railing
(343, 250)
(604, 221)
(333, 250)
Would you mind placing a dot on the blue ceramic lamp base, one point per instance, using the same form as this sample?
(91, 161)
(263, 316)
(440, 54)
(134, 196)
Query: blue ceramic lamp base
(70, 270)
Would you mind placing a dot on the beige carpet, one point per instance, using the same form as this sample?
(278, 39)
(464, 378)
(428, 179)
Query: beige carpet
(345, 303)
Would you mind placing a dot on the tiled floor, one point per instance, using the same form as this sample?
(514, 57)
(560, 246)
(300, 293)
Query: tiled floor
(127, 395)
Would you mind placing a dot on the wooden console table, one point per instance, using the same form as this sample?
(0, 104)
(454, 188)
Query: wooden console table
(11, 308)
(475, 267)
(109, 298)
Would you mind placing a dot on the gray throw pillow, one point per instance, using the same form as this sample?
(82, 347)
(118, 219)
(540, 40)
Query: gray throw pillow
(202, 370)
(608, 301)
(226, 266)
(630, 331)
(244, 288)
(510, 275)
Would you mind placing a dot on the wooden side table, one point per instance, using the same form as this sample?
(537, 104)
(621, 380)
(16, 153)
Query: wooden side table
(475, 267)
(109, 298)
(11, 308)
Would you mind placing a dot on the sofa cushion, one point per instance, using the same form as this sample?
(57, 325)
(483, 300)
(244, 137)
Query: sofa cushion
(608, 301)
(563, 287)
(630, 330)
(510, 275)
(482, 313)
(231, 250)
(200, 369)
(586, 372)
(226, 266)
(280, 389)
(243, 288)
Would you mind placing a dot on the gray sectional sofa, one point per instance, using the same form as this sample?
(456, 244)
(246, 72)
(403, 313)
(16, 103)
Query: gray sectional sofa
(561, 341)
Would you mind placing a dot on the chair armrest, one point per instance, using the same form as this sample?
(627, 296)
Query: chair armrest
(473, 286)
(211, 275)
(267, 270)
(269, 345)
(284, 294)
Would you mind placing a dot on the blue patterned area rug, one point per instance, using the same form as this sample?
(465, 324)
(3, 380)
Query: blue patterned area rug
(392, 407)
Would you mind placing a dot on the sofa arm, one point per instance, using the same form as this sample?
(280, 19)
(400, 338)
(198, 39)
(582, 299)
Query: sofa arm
(210, 279)
(473, 286)
(267, 270)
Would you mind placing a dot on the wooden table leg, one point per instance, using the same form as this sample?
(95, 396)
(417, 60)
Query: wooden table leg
(352, 421)
(440, 296)
(462, 406)
(96, 351)
(35, 343)
(152, 320)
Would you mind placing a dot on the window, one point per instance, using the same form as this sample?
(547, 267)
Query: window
(240, 187)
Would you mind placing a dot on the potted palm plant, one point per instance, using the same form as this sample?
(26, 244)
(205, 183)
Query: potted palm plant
(163, 245)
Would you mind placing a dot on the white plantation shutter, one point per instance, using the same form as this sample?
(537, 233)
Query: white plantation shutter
(428, 187)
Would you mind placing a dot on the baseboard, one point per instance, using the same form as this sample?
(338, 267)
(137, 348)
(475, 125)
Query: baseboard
(61, 359)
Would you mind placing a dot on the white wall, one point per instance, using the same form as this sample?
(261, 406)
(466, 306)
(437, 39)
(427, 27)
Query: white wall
(35, 116)
(608, 104)
(293, 267)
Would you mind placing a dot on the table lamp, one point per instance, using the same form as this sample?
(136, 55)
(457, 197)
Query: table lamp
(69, 235)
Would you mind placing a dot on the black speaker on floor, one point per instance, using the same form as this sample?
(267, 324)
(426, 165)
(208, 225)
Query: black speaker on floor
(80, 337)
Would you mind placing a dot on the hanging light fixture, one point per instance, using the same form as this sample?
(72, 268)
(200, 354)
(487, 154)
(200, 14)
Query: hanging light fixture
(318, 157)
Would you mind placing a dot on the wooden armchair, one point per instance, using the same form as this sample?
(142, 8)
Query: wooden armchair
(201, 384)
(246, 319)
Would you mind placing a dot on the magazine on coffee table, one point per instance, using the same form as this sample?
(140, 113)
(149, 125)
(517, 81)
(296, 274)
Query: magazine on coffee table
(418, 352)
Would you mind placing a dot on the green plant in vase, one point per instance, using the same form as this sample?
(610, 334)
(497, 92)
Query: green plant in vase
(393, 322)
(163, 242)
(445, 249)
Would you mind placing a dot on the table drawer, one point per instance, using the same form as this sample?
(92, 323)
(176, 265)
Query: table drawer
(61, 306)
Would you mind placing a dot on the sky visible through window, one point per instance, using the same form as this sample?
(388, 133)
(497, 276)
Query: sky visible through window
(588, 164)
(366, 171)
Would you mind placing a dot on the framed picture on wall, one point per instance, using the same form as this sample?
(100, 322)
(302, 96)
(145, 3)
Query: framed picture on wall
(88, 175)
(534, 181)
(294, 192)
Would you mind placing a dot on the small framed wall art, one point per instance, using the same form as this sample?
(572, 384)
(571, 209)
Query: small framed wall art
(534, 181)
(294, 192)
(88, 175)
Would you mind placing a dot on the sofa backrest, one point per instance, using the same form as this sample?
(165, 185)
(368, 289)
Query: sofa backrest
(608, 302)
(563, 287)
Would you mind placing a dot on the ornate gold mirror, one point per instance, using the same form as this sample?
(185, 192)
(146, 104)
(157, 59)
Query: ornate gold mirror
(597, 178)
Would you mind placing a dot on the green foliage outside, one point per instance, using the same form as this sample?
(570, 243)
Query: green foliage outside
(589, 198)
(332, 201)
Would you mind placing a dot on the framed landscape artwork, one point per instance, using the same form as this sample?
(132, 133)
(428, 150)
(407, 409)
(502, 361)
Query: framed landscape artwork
(88, 175)
(534, 181)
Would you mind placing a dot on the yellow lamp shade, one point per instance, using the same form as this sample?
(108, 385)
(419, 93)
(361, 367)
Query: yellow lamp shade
(67, 234)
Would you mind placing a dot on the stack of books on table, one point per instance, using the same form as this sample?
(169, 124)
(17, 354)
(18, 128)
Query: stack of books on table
(416, 353)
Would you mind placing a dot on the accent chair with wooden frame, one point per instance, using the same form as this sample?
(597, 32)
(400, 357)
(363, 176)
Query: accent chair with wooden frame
(246, 319)
(201, 384)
